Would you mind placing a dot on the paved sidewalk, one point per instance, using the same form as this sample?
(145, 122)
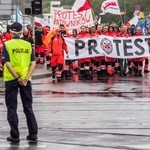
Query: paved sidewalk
(41, 71)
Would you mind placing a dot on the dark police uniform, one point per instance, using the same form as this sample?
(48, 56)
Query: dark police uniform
(20, 55)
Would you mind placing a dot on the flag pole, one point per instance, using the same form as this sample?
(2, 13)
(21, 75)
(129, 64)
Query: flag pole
(121, 20)
(94, 16)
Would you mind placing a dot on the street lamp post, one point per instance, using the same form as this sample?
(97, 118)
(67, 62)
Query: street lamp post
(23, 8)
(17, 10)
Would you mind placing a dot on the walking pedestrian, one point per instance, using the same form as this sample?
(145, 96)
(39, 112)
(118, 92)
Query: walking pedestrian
(19, 63)
(56, 51)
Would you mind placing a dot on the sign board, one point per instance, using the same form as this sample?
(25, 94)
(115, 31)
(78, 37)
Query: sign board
(5, 17)
(5, 12)
(6, 9)
(16, 2)
(112, 47)
(5, 1)
(55, 3)
(71, 19)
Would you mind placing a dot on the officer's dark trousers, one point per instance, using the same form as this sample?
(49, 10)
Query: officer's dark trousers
(12, 89)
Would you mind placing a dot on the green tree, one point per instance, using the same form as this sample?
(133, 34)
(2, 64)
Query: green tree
(125, 5)
(129, 5)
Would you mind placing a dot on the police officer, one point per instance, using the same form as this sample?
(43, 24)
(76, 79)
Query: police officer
(19, 64)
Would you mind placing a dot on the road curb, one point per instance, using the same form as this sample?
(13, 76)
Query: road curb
(46, 75)
(101, 93)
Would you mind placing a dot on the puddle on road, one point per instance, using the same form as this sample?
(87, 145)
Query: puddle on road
(126, 87)
(126, 95)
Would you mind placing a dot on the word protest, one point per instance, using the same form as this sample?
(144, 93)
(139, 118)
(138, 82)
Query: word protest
(71, 19)
(122, 47)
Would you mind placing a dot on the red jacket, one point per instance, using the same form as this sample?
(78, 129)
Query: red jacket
(116, 34)
(110, 33)
(7, 36)
(83, 35)
(57, 45)
(138, 34)
(124, 34)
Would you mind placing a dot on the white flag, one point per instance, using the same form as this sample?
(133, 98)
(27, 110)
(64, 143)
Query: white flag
(110, 6)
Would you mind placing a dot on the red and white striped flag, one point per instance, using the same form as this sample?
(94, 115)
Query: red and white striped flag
(133, 21)
(110, 6)
(40, 21)
(80, 5)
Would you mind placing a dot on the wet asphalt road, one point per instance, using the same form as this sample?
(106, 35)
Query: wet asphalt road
(110, 114)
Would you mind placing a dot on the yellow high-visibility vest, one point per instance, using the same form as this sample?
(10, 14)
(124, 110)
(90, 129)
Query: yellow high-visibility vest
(20, 58)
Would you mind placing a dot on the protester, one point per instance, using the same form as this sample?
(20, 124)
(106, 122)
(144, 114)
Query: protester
(27, 36)
(99, 29)
(85, 62)
(29, 27)
(46, 30)
(146, 63)
(116, 33)
(109, 60)
(39, 45)
(130, 61)
(123, 62)
(19, 63)
(57, 46)
(138, 62)
(103, 63)
(7, 35)
(74, 33)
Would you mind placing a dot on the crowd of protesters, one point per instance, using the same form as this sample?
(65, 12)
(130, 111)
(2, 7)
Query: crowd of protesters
(105, 66)
(52, 53)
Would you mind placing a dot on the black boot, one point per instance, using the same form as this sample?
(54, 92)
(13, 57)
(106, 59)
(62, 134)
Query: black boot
(82, 73)
(32, 137)
(99, 73)
(53, 74)
(135, 72)
(130, 71)
(13, 140)
(146, 71)
(48, 66)
(140, 73)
